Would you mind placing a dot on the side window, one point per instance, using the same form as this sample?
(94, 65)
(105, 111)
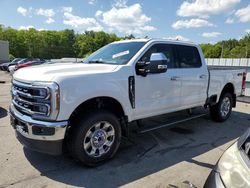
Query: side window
(166, 49)
(188, 56)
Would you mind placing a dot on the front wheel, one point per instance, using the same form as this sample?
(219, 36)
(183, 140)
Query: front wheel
(222, 110)
(96, 138)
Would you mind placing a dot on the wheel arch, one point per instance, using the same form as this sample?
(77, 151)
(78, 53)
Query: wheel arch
(229, 88)
(101, 102)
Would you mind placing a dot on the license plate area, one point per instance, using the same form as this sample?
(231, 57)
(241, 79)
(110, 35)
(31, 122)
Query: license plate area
(19, 125)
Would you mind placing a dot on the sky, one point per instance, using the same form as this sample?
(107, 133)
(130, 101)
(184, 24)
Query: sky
(199, 21)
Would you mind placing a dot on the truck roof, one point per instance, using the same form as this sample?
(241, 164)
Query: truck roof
(157, 40)
(132, 40)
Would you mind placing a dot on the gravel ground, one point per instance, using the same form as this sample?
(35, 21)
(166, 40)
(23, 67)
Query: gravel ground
(179, 156)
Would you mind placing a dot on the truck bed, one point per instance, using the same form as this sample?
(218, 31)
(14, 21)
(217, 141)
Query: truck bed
(220, 76)
(224, 68)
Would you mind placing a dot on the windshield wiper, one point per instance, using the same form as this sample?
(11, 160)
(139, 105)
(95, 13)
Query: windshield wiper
(97, 61)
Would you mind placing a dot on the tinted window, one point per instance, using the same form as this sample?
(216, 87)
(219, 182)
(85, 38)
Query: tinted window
(166, 49)
(188, 56)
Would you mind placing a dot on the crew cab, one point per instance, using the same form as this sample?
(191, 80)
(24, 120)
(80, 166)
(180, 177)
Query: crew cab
(87, 107)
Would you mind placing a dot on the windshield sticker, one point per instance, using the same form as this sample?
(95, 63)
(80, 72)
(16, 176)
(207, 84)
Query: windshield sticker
(120, 54)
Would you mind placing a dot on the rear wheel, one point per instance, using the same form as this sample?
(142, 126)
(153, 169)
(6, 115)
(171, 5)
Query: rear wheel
(222, 110)
(96, 138)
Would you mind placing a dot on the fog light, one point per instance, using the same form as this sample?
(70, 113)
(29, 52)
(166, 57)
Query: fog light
(43, 130)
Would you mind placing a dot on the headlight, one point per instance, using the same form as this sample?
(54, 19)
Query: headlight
(40, 100)
(41, 92)
(243, 138)
(50, 93)
(43, 109)
(232, 168)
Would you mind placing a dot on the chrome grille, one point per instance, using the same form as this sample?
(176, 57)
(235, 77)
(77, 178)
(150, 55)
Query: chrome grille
(31, 100)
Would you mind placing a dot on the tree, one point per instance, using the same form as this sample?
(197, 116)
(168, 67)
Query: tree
(67, 43)
(131, 36)
(232, 48)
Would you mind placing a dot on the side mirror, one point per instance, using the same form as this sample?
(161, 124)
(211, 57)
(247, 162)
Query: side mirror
(157, 64)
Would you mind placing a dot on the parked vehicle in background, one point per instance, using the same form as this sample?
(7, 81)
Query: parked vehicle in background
(232, 169)
(17, 62)
(88, 106)
(29, 63)
(12, 69)
(22, 61)
(5, 66)
(66, 60)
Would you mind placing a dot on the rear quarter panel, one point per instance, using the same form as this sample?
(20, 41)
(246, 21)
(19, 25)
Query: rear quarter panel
(220, 77)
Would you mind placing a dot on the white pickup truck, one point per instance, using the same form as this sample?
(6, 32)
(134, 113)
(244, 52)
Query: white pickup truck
(88, 106)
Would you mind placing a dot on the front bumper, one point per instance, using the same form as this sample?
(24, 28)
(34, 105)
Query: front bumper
(214, 180)
(41, 136)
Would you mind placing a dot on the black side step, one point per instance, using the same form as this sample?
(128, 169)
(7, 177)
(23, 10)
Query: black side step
(166, 120)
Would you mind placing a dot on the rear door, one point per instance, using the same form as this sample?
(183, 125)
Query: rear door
(194, 76)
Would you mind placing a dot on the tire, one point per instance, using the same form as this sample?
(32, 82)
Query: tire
(88, 135)
(222, 110)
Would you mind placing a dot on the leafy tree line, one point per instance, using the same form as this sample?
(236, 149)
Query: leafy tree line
(54, 44)
(67, 43)
(231, 48)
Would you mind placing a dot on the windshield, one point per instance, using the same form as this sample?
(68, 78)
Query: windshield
(22, 61)
(115, 53)
(16, 60)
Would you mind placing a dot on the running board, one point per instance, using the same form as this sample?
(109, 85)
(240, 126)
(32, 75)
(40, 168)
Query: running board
(153, 124)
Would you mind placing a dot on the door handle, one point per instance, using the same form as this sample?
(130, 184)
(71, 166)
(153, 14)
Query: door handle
(203, 76)
(175, 78)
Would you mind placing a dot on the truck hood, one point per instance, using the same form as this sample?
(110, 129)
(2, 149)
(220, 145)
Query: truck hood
(52, 72)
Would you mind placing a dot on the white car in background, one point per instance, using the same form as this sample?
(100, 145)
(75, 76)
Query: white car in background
(232, 169)
(12, 69)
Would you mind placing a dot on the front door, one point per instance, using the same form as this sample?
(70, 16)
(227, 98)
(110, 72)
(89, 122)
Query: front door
(158, 93)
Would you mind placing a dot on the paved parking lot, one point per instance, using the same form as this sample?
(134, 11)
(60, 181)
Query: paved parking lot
(181, 156)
